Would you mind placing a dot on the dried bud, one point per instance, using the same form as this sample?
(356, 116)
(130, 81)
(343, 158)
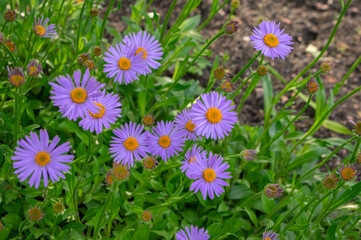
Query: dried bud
(261, 19)
(120, 171)
(10, 15)
(262, 70)
(219, 73)
(89, 64)
(58, 207)
(35, 214)
(326, 67)
(83, 58)
(273, 190)
(10, 45)
(312, 86)
(330, 181)
(97, 51)
(149, 162)
(231, 27)
(235, 3)
(147, 216)
(228, 86)
(2, 39)
(148, 120)
(248, 154)
(93, 12)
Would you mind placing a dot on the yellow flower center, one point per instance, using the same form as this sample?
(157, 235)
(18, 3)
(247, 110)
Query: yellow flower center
(148, 120)
(144, 52)
(121, 172)
(191, 160)
(213, 115)
(190, 126)
(32, 71)
(78, 95)
(219, 73)
(42, 158)
(124, 63)
(164, 141)
(209, 175)
(312, 87)
(39, 30)
(101, 111)
(271, 40)
(348, 173)
(131, 144)
(17, 80)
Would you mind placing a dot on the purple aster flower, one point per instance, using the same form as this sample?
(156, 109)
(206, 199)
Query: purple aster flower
(270, 235)
(213, 116)
(184, 124)
(209, 173)
(36, 157)
(41, 30)
(190, 158)
(149, 48)
(76, 100)
(124, 63)
(270, 40)
(16, 76)
(165, 141)
(108, 113)
(130, 143)
(347, 172)
(192, 234)
(34, 68)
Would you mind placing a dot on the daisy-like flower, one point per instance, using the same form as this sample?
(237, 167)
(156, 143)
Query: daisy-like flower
(270, 235)
(184, 124)
(34, 68)
(270, 40)
(42, 30)
(312, 86)
(347, 172)
(109, 111)
(219, 73)
(213, 116)
(150, 49)
(192, 233)
(209, 173)
(165, 141)
(124, 63)
(76, 100)
(190, 158)
(149, 162)
(130, 143)
(16, 76)
(36, 158)
(273, 190)
(35, 214)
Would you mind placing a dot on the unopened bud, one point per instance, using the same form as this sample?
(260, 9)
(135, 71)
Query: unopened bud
(262, 70)
(330, 181)
(326, 67)
(235, 3)
(93, 12)
(231, 27)
(97, 51)
(312, 86)
(10, 15)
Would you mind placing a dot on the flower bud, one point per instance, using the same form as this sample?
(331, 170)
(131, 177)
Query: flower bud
(16, 76)
(89, 64)
(248, 154)
(312, 86)
(120, 171)
(262, 70)
(273, 190)
(219, 73)
(83, 58)
(10, 45)
(235, 3)
(109, 178)
(93, 12)
(149, 162)
(330, 181)
(148, 120)
(58, 207)
(359, 158)
(97, 51)
(261, 19)
(326, 67)
(10, 15)
(35, 214)
(147, 216)
(228, 86)
(231, 27)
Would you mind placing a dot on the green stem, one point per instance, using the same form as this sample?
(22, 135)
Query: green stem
(61, 8)
(241, 86)
(246, 67)
(355, 151)
(104, 22)
(213, 14)
(165, 22)
(79, 29)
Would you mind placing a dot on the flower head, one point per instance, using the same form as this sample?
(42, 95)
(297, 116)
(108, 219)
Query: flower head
(165, 141)
(76, 100)
(107, 113)
(147, 46)
(231, 27)
(10, 15)
(228, 86)
(270, 40)
(16, 76)
(83, 58)
(130, 143)
(262, 70)
(42, 30)
(120, 171)
(248, 154)
(219, 73)
(190, 158)
(97, 51)
(36, 158)
(89, 64)
(58, 207)
(213, 116)
(109, 178)
(347, 172)
(270, 235)
(34, 68)
(330, 181)
(146, 216)
(35, 214)
(93, 12)
(149, 162)
(124, 63)
(312, 86)
(148, 120)
(192, 233)
(208, 173)
(327, 67)
(10, 45)
(184, 125)
(273, 190)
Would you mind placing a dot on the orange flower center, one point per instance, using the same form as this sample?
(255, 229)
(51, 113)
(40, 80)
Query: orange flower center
(190, 126)
(17, 80)
(121, 172)
(101, 111)
(89, 64)
(32, 71)
(219, 73)
(191, 160)
(148, 120)
(124, 63)
(35, 214)
(42, 158)
(213, 115)
(271, 40)
(78, 95)
(131, 144)
(146, 216)
(164, 141)
(39, 30)
(209, 175)
(148, 163)
(267, 238)
(10, 45)
(144, 54)
(348, 173)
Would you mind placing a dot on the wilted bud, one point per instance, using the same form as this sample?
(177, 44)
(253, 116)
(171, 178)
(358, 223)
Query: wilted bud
(326, 67)
(262, 70)
(97, 51)
(34, 68)
(10, 15)
(89, 64)
(147, 216)
(330, 181)
(35, 214)
(228, 86)
(10, 45)
(16, 76)
(120, 171)
(235, 3)
(2, 39)
(312, 86)
(219, 73)
(231, 27)
(83, 58)
(58, 207)
(261, 19)
(93, 12)
(149, 162)
(148, 120)
(273, 190)
(248, 154)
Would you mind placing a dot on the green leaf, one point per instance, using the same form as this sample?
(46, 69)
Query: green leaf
(11, 219)
(336, 127)
(347, 196)
(251, 215)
